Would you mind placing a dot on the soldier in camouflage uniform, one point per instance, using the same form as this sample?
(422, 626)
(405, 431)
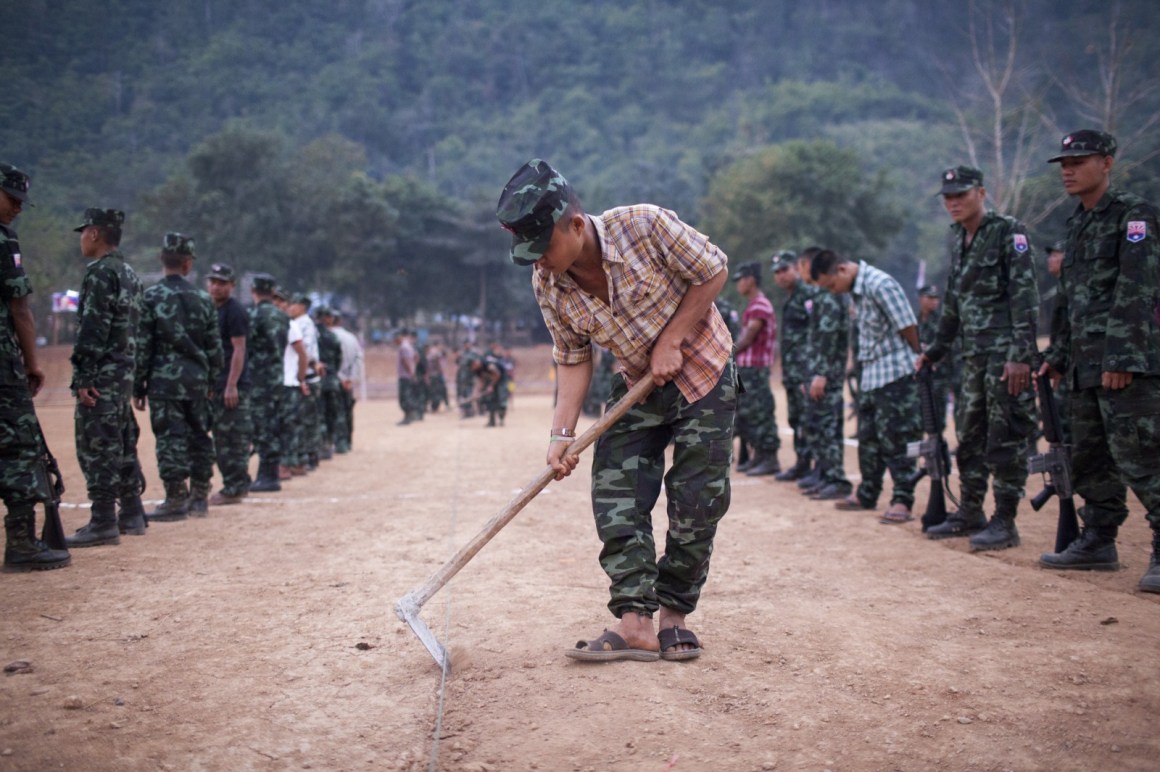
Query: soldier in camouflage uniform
(264, 351)
(103, 359)
(21, 485)
(640, 282)
(753, 351)
(407, 368)
(795, 329)
(179, 357)
(888, 414)
(465, 379)
(929, 315)
(992, 309)
(436, 380)
(828, 350)
(232, 424)
(295, 389)
(349, 374)
(1055, 253)
(1106, 342)
(330, 398)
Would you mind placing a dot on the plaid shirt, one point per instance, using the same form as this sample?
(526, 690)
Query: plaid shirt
(759, 353)
(883, 311)
(650, 258)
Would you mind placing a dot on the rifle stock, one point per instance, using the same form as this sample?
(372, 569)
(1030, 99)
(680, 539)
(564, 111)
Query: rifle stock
(52, 532)
(933, 451)
(1055, 466)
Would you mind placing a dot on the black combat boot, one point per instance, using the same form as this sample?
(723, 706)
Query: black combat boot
(176, 504)
(1000, 533)
(131, 518)
(1093, 550)
(811, 480)
(101, 528)
(765, 465)
(199, 498)
(23, 552)
(267, 478)
(799, 470)
(967, 521)
(1150, 582)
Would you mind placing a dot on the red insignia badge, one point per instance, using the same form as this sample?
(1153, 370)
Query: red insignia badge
(1137, 231)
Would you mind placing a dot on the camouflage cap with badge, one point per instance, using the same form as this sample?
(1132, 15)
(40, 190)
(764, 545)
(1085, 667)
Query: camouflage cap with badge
(102, 218)
(960, 179)
(784, 259)
(748, 269)
(14, 182)
(1085, 142)
(221, 272)
(531, 204)
(178, 244)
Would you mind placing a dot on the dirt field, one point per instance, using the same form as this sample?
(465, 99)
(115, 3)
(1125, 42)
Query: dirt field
(264, 636)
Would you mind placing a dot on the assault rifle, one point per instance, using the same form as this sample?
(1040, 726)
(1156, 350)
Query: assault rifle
(52, 532)
(1055, 466)
(936, 458)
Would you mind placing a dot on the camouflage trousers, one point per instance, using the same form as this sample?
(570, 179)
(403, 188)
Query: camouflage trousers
(825, 432)
(993, 430)
(796, 404)
(20, 480)
(1116, 446)
(333, 415)
(232, 431)
(106, 441)
(293, 439)
(266, 419)
(756, 423)
(437, 392)
(412, 396)
(627, 472)
(888, 418)
(345, 432)
(310, 414)
(941, 386)
(182, 431)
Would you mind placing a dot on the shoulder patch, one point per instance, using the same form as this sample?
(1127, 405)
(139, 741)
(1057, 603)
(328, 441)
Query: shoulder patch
(1137, 231)
(16, 259)
(1020, 242)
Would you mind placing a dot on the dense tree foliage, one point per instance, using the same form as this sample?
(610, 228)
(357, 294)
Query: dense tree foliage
(358, 146)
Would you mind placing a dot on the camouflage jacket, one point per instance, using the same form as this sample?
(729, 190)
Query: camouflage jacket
(992, 299)
(330, 355)
(179, 349)
(108, 315)
(1110, 283)
(829, 336)
(795, 333)
(946, 371)
(13, 284)
(269, 326)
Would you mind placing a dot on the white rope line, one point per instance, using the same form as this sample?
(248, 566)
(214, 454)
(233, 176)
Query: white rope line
(437, 734)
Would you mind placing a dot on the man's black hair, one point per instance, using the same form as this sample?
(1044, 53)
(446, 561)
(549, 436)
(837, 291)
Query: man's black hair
(825, 262)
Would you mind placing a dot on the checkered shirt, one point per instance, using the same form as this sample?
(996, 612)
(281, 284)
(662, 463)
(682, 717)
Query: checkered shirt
(760, 352)
(883, 311)
(650, 259)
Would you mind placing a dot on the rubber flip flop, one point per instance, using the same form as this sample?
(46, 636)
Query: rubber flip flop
(674, 636)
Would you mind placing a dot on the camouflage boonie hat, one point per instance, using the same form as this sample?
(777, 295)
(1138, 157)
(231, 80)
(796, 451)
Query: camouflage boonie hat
(929, 291)
(786, 258)
(531, 204)
(178, 244)
(221, 272)
(301, 298)
(1085, 142)
(748, 269)
(14, 182)
(104, 218)
(263, 282)
(960, 179)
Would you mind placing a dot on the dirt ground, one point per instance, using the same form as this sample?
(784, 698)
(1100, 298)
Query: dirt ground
(263, 637)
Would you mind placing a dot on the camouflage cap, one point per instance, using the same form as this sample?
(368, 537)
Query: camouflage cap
(264, 282)
(14, 182)
(748, 269)
(104, 218)
(221, 272)
(280, 293)
(531, 204)
(960, 179)
(784, 259)
(300, 298)
(178, 243)
(1055, 246)
(321, 311)
(929, 291)
(1085, 142)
